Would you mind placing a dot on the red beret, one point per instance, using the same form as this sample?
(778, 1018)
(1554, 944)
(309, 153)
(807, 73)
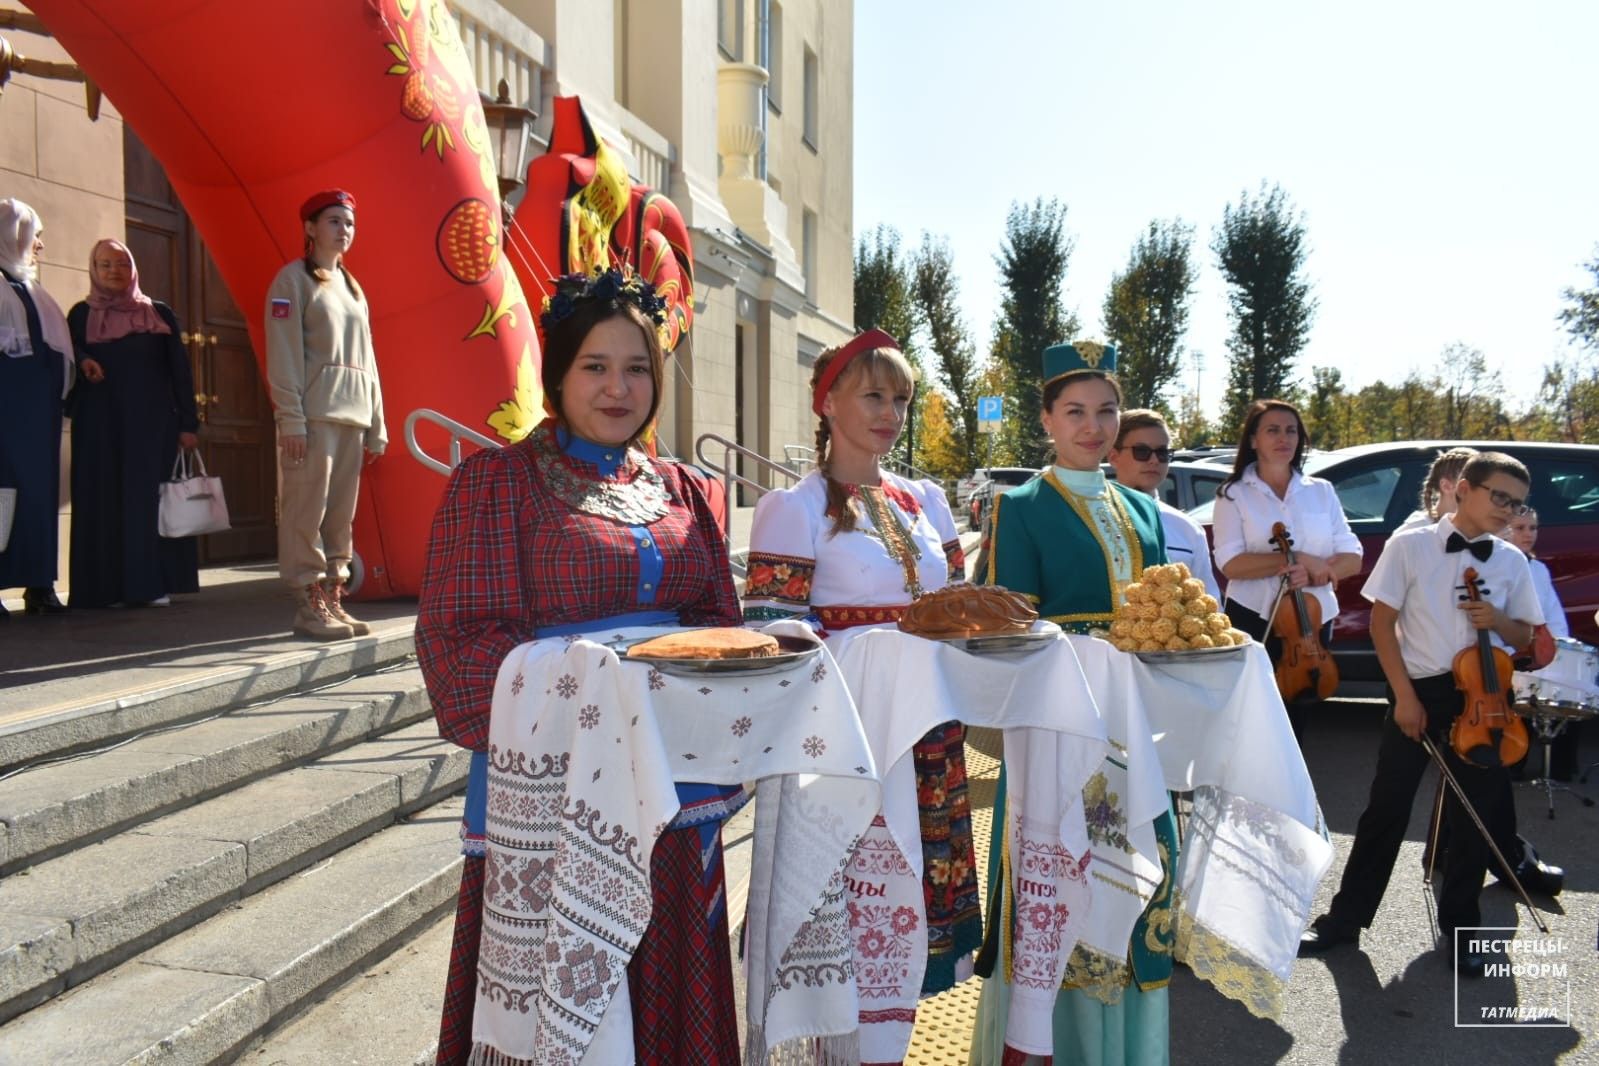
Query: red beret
(324, 199)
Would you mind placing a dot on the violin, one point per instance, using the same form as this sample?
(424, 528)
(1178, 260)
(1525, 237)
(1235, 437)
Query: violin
(1305, 667)
(1487, 733)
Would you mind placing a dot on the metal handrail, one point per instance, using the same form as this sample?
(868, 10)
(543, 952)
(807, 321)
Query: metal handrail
(805, 456)
(457, 431)
(729, 478)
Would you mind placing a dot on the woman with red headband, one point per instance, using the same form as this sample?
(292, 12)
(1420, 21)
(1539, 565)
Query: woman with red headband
(324, 381)
(853, 544)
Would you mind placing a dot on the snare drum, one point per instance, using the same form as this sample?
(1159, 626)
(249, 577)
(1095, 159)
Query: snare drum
(1567, 688)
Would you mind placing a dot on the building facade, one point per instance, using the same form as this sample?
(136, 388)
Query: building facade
(739, 110)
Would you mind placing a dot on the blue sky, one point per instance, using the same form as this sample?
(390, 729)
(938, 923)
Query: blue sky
(1443, 154)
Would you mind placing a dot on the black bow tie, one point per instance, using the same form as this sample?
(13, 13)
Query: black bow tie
(1480, 548)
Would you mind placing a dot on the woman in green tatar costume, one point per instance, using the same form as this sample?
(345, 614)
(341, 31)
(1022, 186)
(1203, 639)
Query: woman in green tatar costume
(1071, 541)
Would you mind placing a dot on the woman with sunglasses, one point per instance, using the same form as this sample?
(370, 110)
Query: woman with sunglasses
(1141, 458)
(1269, 485)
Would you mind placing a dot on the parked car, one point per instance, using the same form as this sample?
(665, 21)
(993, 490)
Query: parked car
(1188, 484)
(996, 480)
(1379, 484)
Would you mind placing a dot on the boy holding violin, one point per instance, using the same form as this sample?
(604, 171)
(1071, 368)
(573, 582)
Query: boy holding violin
(1422, 619)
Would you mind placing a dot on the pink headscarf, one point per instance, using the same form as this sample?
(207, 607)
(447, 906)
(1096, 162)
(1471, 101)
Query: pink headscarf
(114, 315)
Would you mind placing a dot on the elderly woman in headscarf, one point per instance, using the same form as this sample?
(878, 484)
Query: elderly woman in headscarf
(36, 373)
(132, 412)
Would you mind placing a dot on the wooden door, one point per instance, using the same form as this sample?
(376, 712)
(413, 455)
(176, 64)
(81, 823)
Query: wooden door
(237, 438)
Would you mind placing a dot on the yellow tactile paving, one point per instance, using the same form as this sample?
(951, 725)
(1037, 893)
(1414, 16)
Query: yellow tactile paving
(943, 1035)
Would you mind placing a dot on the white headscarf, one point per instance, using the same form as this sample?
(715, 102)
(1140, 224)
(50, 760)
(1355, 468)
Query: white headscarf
(19, 227)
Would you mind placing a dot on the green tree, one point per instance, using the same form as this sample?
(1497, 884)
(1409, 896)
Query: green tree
(1260, 248)
(938, 449)
(1581, 315)
(883, 300)
(935, 292)
(1324, 412)
(1146, 312)
(1032, 261)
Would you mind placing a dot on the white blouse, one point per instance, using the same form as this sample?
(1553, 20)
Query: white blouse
(1244, 515)
(797, 564)
(1554, 615)
(1186, 543)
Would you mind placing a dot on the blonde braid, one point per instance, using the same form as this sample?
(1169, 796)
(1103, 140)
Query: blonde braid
(838, 501)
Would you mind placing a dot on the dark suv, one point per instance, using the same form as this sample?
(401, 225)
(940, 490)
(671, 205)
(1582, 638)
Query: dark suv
(1379, 484)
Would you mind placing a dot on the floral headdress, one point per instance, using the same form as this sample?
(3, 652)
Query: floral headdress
(611, 284)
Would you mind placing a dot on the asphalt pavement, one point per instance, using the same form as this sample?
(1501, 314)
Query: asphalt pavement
(1394, 999)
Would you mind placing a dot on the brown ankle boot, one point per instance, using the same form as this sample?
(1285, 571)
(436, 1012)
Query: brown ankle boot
(333, 596)
(312, 617)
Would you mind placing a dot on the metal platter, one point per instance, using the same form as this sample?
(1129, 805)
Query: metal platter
(1002, 643)
(1192, 655)
(795, 651)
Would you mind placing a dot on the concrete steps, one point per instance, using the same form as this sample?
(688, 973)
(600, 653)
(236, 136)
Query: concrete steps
(51, 809)
(171, 899)
(197, 690)
(204, 994)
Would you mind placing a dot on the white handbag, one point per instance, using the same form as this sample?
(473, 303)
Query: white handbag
(192, 503)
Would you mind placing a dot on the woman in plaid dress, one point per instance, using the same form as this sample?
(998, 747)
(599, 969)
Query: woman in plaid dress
(574, 529)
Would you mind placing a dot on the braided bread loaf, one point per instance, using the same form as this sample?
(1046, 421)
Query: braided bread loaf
(968, 611)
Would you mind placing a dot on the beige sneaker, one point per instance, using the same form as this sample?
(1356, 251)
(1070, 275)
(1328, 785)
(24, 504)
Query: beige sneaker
(312, 617)
(333, 596)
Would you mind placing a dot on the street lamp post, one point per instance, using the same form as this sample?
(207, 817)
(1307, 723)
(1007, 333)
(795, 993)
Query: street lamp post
(510, 129)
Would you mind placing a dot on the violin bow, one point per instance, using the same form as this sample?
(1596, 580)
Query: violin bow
(1504, 866)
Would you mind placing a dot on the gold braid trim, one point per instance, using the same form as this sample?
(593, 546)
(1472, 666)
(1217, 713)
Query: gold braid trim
(1230, 971)
(902, 547)
(1124, 523)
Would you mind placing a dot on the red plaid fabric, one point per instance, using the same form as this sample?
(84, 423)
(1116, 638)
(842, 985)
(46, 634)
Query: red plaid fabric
(506, 557)
(460, 985)
(681, 976)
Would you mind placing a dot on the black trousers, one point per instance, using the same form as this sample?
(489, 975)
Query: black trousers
(1400, 765)
(1299, 711)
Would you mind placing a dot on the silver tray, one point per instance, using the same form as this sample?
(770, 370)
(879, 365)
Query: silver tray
(794, 652)
(1192, 655)
(1001, 643)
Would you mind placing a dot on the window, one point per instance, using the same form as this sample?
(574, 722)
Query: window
(730, 28)
(1366, 496)
(772, 52)
(812, 76)
(808, 253)
(1563, 492)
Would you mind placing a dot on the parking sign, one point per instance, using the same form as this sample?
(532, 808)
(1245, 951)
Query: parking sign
(990, 412)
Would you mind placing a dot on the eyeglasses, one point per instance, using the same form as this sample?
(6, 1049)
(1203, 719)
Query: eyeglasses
(1503, 499)
(1144, 452)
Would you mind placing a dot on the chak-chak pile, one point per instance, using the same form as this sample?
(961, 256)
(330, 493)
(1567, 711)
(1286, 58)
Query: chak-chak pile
(1168, 609)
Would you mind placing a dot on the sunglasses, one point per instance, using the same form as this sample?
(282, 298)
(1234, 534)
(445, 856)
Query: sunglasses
(1143, 453)
(1503, 499)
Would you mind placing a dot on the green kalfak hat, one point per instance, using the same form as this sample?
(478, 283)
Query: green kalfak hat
(1076, 357)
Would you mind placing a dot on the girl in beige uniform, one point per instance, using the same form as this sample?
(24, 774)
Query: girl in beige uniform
(329, 409)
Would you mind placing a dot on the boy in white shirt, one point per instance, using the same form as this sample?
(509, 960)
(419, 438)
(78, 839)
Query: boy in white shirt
(1419, 622)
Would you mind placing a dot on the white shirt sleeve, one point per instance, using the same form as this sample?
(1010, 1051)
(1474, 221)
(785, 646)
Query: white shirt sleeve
(1554, 614)
(1389, 578)
(1521, 596)
(782, 556)
(1344, 540)
(1227, 522)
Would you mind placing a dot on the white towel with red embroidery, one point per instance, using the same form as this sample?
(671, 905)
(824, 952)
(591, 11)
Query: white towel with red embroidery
(584, 750)
(903, 686)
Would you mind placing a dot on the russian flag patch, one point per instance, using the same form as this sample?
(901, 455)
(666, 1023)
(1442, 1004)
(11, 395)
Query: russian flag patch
(280, 308)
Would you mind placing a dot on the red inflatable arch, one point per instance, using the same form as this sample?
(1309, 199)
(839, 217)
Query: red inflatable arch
(251, 107)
